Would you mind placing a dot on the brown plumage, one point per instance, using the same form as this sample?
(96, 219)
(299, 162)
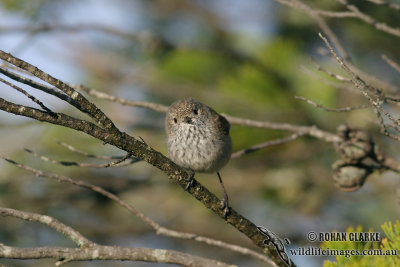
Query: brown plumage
(198, 138)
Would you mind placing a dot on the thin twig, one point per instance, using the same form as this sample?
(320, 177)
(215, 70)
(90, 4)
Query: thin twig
(116, 163)
(78, 28)
(85, 106)
(362, 86)
(391, 63)
(158, 228)
(377, 92)
(307, 130)
(353, 13)
(106, 131)
(47, 89)
(367, 19)
(314, 14)
(122, 101)
(265, 144)
(373, 90)
(393, 100)
(81, 152)
(345, 109)
(333, 75)
(31, 97)
(344, 79)
(383, 3)
(338, 85)
(313, 131)
(49, 221)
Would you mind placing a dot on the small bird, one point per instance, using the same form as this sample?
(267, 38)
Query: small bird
(198, 139)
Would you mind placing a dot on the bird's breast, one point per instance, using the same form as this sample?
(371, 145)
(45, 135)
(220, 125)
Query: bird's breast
(199, 148)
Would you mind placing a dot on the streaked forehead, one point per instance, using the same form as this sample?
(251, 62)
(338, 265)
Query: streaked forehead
(184, 105)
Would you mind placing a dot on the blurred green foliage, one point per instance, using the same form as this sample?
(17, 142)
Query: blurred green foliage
(254, 77)
(202, 67)
(390, 244)
(29, 8)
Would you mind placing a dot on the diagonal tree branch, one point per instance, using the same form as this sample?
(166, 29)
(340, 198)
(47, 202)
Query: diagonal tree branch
(31, 97)
(86, 106)
(111, 135)
(158, 228)
(47, 89)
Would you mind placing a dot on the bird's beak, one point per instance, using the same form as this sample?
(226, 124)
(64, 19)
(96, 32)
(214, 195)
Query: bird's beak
(188, 120)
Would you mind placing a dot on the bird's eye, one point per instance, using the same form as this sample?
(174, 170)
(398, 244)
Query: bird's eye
(195, 111)
(175, 120)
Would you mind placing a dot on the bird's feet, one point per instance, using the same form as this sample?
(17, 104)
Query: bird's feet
(189, 181)
(224, 201)
(225, 206)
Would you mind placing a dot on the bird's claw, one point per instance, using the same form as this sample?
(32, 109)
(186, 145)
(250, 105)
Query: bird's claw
(189, 181)
(225, 207)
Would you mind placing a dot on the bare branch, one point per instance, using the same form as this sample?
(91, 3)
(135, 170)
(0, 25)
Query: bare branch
(86, 106)
(31, 97)
(345, 109)
(389, 163)
(141, 150)
(354, 13)
(116, 163)
(42, 87)
(333, 75)
(393, 100)
(78, 151)
(373, 81)
(49, 221)
(383, 3)
(377, 92)
(99, 252)
(158, 228)
(265, 144)
(367, 19)
(83, 184)
(79, 28)
(122, 101)
(306, 130)
(314, 14)
(90, 250)
(111, 135)
(338, 85)
(373, 90)
(363, 87)
(391, 63)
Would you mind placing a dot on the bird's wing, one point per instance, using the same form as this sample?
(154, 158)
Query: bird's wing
(223, 125)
